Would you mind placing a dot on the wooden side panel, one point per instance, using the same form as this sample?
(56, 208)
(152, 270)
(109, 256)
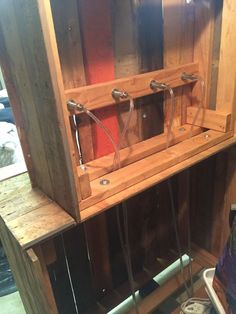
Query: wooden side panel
(178, 50)
(203, 45)
(225, 181)
(66, 23)
(29, 275)
(35, 72)
(226, 89)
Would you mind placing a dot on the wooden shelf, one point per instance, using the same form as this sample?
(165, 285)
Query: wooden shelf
(155, 179)
(29, 214)
(100, 95)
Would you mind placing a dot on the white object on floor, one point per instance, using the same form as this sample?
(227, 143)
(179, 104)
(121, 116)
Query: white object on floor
(208, 276)
(1, 106)
(11, 304)
(196, 306)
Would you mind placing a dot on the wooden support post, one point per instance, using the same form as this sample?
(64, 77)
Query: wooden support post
(30, 275)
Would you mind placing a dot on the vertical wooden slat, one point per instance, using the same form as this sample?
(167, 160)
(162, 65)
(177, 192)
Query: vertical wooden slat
(66, 23)
(126, 61)
(29, 276)
(99, 67)
(33, 59)
(179, 49)
(226, 96)
(203, 44)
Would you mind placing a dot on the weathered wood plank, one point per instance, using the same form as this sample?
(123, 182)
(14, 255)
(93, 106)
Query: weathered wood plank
(28, 274)
(104, 165)
(210, 119)
(100, 95)
(138, 188)
(31, 50)
(149, 166)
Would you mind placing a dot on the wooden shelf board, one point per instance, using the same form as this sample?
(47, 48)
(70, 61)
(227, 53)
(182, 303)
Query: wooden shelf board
(141, 170)
(153, 180)
(133, 153)
(99, 95)
(29, 214)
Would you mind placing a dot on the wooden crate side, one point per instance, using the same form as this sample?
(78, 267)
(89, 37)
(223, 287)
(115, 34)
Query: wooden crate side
(35, 71)
(29, 274)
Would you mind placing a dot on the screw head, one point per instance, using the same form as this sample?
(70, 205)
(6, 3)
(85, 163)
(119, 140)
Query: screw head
(182, 129)
(104, 182)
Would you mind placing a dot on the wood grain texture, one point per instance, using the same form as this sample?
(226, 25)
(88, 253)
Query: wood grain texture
(104, 165)
(226, 90)
(67, 29)
(203, 46)
(126, 61)
(35, 72)
(100, 95)
(29, 214)
(137, 188)
(209, 119)
(149, 166)
(28, 274)
(40, 224)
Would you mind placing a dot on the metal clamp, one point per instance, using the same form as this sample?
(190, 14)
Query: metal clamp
(189, 77)
(117, 94)
(154, 85)
(72, 105)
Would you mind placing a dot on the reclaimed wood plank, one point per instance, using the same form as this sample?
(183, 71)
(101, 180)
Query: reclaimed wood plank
(137, 188)
(100, 95)
(152, 165)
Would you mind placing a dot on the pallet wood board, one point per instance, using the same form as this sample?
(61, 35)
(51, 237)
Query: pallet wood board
(28, 274)
(137, 188)
(100, 95)
(131, 154)
(210, 119)
(149, 166)
(29, 214)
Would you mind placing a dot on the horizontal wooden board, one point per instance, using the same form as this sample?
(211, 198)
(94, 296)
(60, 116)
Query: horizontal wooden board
(149, 166)
(100, 95)
(40, 224)
(210, 119)
(104, 165)
(149, 182)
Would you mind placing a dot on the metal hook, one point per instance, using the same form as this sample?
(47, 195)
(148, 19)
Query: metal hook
(154, 85)
(117, 94)
(72, 105)
(189, 77)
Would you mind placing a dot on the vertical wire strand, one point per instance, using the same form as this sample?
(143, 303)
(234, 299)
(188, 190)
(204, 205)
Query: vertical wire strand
(69, 275)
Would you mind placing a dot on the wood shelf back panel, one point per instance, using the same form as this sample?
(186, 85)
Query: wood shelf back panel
(149, 166)
(99, 95)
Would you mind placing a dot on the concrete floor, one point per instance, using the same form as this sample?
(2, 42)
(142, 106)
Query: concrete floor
(11, 304)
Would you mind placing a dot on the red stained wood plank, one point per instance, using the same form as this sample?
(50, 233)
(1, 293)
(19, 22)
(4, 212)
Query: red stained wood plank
(99, 64)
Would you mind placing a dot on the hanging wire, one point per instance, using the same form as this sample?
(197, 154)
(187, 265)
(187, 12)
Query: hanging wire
(124, 242)
(69, 275)
(177, 236)
(126, 250)
(170, 124)
(109, 135)
(125, 129)
(201, 102)
(169, 129)
(77, 139)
